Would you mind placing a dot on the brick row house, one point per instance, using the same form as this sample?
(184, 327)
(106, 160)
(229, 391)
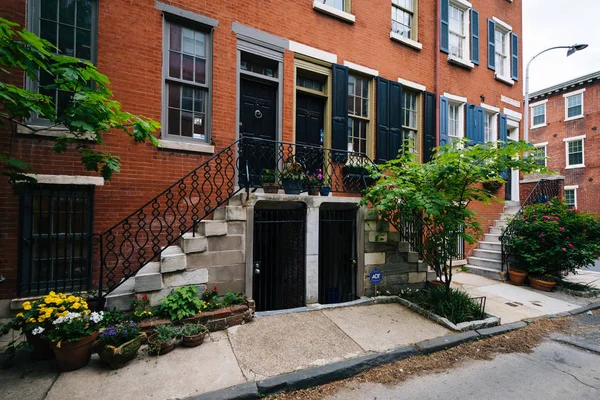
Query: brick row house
(564, 121)
(333, 80)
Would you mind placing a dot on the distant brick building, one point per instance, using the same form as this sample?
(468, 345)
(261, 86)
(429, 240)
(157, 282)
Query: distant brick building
(564, 127)
(340, 74)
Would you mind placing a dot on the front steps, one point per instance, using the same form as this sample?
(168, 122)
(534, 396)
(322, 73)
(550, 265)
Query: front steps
(214, 256)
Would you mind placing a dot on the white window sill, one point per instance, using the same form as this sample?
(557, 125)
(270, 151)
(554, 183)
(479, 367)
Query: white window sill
(575, 166)
(186, 146)
(406, 41)
(334, 12)
(504, 79)
(461, 62)
(573, 118)
(538, 126)
(52, 132)
(68, 179)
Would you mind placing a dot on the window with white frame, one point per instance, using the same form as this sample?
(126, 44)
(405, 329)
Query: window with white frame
(571, 197)
(489, 128)
(574, 106)
(540, 154)
(575, 152)
(457, 30)
(187, 55)
(538, 115)
(403, 18)
(502, 48)
(455, 121)
(410, 111)
(342, 5)
(358, 112)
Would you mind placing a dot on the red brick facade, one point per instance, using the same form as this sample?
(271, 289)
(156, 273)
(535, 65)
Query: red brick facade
(130, 48)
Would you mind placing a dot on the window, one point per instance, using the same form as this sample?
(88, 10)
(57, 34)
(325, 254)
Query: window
(502, 61)
(574, 106)
(54, 244)
(538, 115)
(571, 197)
(574, 149)
(540, 154)
(358, 112)
(342, 5)
(455, 121)
(403, 18)
(458, 31)
(489, 128)
(410, 123)
(71, 27)
(187, 83)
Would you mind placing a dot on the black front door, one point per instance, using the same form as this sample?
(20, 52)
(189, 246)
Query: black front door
(337, 255)
(309, 131)
(258, 120)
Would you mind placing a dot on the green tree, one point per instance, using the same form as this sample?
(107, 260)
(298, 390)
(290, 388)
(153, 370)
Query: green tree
(435, 196)
(88, 112)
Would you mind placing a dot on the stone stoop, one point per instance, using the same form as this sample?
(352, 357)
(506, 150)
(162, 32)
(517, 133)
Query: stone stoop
(213, 256)
(487, 257)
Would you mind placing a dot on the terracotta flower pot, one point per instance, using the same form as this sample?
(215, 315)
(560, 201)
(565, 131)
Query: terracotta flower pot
(74, 355)
(158, 349)
(116, 357)
(539, 284)
(193, 341)
(272, 188)
(42, 350)
(517, 277)
(314, 191)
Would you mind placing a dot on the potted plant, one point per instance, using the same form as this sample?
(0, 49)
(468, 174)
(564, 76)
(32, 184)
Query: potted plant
(517, 276)
(181, 303)
(326, 187)
(545, 283)
(162, 341)
(117, 344)
(315, 182)
(356, 174)
(292, 177)
(141, 308)
(269, 179)
(73, 336)
(192, 335)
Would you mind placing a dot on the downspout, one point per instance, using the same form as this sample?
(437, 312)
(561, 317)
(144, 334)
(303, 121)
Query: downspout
(436, 83)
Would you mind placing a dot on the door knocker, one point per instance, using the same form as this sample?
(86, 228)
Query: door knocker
(258, 114)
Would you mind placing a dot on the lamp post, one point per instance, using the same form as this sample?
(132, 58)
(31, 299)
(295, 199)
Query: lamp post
(571, 49)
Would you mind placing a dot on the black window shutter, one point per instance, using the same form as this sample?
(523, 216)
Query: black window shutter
(383, 120)
(429, 140)
(474, 37)
(339, 123)
(514, 48)
(395, 113)
(491, 45)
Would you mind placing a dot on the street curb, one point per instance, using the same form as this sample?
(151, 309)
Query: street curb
(243, 391)
(445, 342)
(584, 309)
(499, 330)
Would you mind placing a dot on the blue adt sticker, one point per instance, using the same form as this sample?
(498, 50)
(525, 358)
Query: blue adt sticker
(375, 276)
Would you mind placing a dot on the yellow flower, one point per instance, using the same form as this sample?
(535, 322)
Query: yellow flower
(20, 315)
(30, 320)
(76, 306)
(41, 318)
(27, 306)
(71, 299)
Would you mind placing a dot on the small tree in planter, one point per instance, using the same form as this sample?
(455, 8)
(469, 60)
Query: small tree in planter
(292, 177)
(269, 180)
(435, 196)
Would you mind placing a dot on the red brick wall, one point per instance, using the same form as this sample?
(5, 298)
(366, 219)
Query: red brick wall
(130, 52)
(557, 129)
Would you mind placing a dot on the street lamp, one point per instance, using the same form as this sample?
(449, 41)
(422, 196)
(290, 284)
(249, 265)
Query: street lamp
(572, 49)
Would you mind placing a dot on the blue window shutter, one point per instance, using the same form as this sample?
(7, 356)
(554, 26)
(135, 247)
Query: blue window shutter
(444, 21)
(474, 37)
(502, 128)
(491, 45)
(383, 121)
(395, 119)
(443, 121)
(339, 125)
(429, 115)
(514, 70)
(479, 125)
(470, 125)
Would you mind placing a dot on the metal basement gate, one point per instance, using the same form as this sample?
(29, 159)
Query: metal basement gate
(337, 255)
(279, 264)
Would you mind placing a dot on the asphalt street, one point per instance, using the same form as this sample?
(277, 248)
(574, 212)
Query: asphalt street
(560, 368)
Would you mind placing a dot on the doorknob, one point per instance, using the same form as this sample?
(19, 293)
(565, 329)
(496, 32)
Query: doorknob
(256, 268)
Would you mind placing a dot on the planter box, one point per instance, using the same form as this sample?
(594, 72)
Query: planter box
(116, 357)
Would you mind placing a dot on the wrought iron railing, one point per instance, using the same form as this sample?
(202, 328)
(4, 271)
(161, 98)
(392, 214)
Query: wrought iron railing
(142, 236)
(543, 191)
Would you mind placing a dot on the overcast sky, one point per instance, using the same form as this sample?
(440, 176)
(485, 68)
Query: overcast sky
(548, 23)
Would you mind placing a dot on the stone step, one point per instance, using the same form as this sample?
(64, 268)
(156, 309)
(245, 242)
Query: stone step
(215, 258)
(230, 213)
(495, 231)
(499, 223)
(485, 263)
(489, 273)
(496, 246)
(488, 254)
(122, 296)
(149, 278)
(511, 203)
(237, 200)
(210, 228)
(172, 259)
(491, 237)
(191, 243)
(224, 243)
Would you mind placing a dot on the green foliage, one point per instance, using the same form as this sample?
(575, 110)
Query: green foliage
(231, 298)
(183, 302)
(269, 175)
(549, 238)
(293, 171)
(193, 329)
(455, 305)
(89, 114)
(166, 332)
(116, 335)
(113, 317)
(440, 192)
(141, 306)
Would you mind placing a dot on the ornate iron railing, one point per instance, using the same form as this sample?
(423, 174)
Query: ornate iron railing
(142, 236)
(543, 191)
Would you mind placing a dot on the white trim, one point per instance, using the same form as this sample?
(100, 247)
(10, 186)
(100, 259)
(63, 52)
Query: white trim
(517, 116)
(569, 95)
(407, 41)
(537, 103)
(334, 12)
(511, 101)
(361, 69)
(513, 123)
(574, 189)
(412, 85)
(570, 139)
(537, 126)
(541, 144)
(504, 79)
(460, 62)
(571, 187)
(573, 93)
(503, 24)
(454, 98)
(573, 118)
(186, 146)
(312, 52)
(68, 179)
(462, 3)
(490, 108)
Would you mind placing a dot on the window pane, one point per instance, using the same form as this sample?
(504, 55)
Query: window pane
(66, 40)
(49, 9)
(187, 70)
(200, 44)
(174, 95)
(175, 38)
(84, 13)
(48, 31)
(188, 41)
(187, 98)
(84, 44)
(186, 123)
(66, 11)
(339, 4)
(174, 64)
(174, 119)
(200, 70)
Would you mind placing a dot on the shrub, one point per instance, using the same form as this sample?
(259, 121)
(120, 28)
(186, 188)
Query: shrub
(193, 329)
(183, 302)
(231, 298)
(113, 317)
(116, 335)
(456, 305)
(549, 238)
